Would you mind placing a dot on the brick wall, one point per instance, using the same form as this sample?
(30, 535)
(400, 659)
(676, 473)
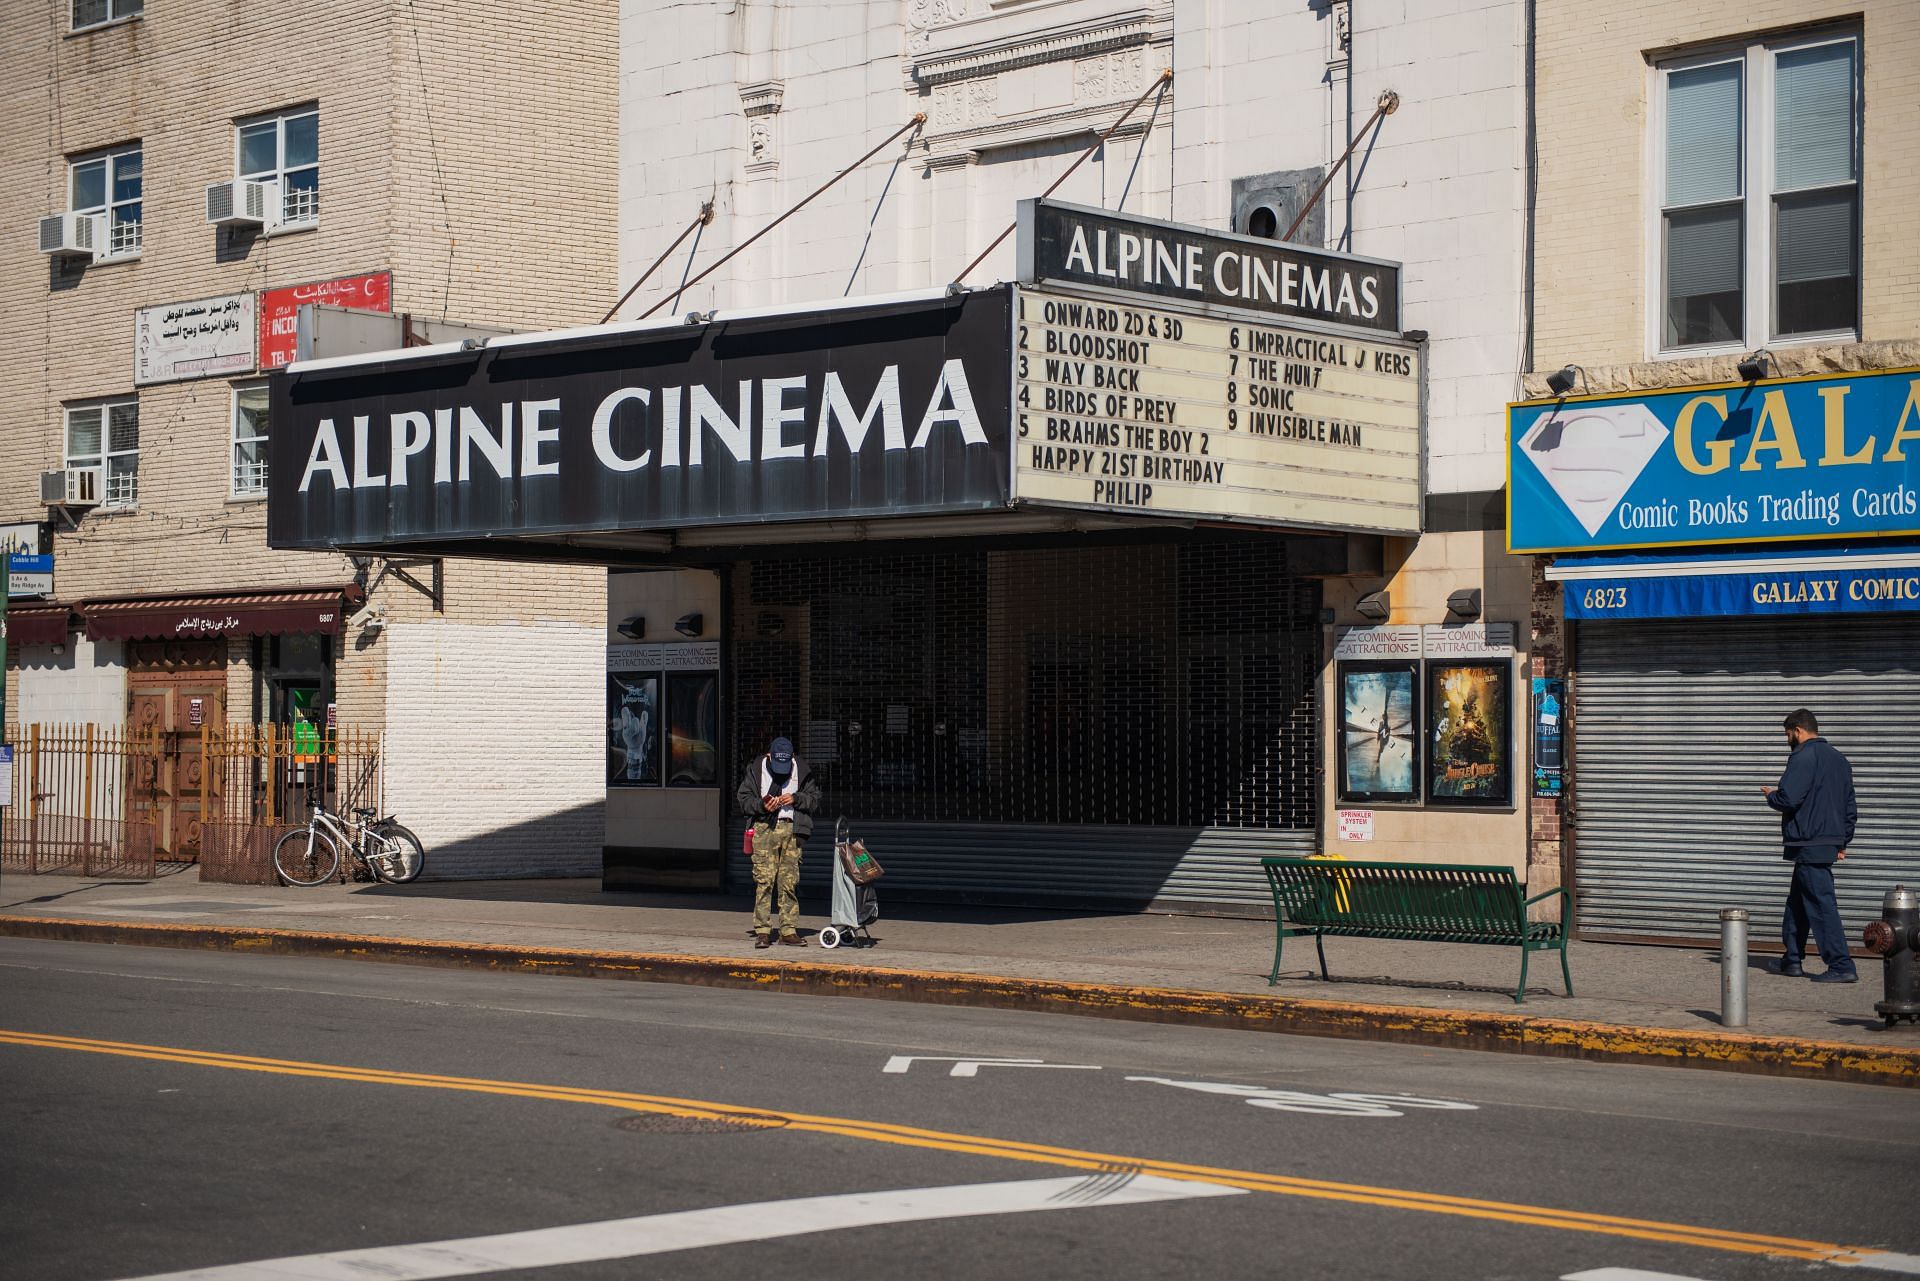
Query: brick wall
(1547, 861)
(174, 80)
(494, 746)
(1594, 83)
(470, 152)
(503, 165)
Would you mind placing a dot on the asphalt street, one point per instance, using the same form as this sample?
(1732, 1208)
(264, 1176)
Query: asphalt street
(168, 1111)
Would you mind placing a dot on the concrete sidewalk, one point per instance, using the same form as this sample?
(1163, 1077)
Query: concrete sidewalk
(1655, 1004)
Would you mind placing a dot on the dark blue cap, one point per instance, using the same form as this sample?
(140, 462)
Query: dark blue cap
(781, 753)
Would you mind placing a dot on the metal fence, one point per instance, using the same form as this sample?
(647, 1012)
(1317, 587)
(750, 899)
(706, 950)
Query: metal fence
(93, 800)
(70, 812)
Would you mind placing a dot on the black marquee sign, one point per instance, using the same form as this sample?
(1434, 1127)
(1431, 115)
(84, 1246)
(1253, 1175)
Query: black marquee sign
(886, 410)
(1080, 246)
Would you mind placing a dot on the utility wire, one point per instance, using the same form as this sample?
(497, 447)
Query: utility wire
(700, 219)
(433, 144)
(1389, 103)
(919, 119)
(1153, 116)
(1161, 80)
(693, 254)
(878, 205)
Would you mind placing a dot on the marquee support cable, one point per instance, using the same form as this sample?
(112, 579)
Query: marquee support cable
(919, 119)
(1160, 82)
(702, 219)
(1389, 103)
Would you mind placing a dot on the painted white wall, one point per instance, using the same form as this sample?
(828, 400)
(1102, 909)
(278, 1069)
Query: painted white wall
(1012, 90)
(84, 685)
(493, 749)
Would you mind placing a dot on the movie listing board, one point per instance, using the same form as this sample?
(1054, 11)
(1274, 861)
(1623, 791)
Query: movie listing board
(1131, 408)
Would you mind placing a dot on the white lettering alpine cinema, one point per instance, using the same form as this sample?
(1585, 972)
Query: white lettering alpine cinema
(637, 427)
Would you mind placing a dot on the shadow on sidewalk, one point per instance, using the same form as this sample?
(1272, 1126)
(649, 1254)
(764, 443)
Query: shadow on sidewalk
(1421, 985)
(165, 870)
(587, 893)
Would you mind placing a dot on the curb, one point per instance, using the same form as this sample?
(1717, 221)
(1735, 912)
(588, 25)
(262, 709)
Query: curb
(1406, 1025)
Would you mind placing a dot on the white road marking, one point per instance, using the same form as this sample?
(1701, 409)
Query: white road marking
(1341, 1104)
(1879, 1260)
(1885, 1261)
(899, 1063)
(693, 1229)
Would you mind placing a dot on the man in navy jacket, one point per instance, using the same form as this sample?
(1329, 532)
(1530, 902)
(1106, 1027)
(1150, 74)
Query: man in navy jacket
(1817, 818)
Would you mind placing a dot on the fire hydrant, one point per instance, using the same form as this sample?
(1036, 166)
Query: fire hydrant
(1895, 938)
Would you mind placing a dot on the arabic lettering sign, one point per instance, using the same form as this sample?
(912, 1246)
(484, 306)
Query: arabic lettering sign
(280, 309)
(1776, 460)
(197, 339)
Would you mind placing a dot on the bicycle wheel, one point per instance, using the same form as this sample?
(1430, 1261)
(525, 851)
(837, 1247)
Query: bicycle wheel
(305, 857)
(397, 855)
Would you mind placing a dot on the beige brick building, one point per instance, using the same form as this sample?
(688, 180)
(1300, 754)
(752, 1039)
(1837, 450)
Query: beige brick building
(1725, 267)
(465, 157)
(1597, 81)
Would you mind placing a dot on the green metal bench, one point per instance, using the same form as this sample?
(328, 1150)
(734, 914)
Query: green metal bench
(1440, 903)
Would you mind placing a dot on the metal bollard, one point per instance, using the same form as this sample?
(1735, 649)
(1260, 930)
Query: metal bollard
(1733, 967)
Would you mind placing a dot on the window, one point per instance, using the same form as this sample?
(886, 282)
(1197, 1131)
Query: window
(93, 13)
(285, 148)
(107, 436)
(250, 441)
(1759, 235)
(109, 183)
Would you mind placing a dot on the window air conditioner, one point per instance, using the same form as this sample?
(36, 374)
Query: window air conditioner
(241, 203)
(73, 235)
(71, 487)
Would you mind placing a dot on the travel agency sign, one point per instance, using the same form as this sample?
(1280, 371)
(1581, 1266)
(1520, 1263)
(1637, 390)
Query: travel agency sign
(1779, 460)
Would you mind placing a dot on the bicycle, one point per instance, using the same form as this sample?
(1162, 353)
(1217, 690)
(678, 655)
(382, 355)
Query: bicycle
(310, 855)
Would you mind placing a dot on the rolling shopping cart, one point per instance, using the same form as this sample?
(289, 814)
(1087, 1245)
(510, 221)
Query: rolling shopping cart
(855, 903)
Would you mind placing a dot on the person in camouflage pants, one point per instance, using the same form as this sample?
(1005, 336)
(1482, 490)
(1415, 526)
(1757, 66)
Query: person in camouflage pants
(779, 793)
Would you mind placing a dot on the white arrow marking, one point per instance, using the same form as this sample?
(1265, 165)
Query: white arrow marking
(693, 1229)
(899, 1063)
(1343, 1104)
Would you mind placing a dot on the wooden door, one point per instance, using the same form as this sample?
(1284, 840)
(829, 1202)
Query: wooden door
(173, 694)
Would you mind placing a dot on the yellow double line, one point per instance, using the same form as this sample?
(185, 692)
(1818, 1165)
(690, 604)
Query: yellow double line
(1006, 1149)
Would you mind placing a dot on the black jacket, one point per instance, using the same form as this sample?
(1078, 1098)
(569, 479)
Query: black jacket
(803, 785)
(1815, 798)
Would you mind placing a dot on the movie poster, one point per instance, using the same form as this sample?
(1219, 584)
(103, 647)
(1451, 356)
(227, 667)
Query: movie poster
(693, 729)
(1379, 732)
(1470, 742)
(633, 729)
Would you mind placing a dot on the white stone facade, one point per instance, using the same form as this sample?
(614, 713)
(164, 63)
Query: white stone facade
(756, 107)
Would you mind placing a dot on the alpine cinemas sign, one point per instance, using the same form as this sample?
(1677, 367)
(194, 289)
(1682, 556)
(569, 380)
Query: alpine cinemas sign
(1079, 246)
(877, 411)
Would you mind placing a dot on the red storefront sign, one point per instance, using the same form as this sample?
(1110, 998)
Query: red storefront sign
(319, 610)
(280, 309)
